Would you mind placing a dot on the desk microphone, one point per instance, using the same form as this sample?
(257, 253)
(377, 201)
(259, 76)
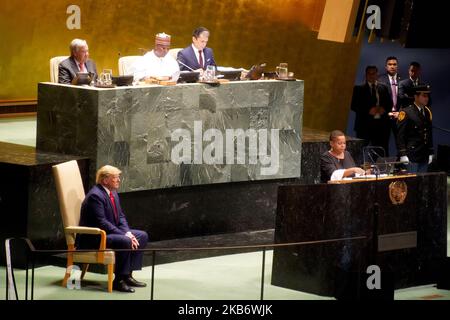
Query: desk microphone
(374, 165)
(376, 153)
(185, 65)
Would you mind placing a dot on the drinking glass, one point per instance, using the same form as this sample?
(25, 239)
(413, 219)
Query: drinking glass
(282, 70)
(106, 77)
(210, 73)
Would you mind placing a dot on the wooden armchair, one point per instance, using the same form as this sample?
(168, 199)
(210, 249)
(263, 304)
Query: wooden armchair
(70, 195)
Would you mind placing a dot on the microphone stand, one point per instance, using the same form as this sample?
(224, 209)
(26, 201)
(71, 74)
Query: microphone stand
(374, 166)
(389, 164)
(185, 65)
(371, 150)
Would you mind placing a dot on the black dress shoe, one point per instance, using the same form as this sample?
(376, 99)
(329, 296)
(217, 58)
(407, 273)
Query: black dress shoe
(122, 286)
(134, 283)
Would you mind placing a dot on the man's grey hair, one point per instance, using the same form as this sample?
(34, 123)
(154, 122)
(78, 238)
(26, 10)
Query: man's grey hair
(76, 44)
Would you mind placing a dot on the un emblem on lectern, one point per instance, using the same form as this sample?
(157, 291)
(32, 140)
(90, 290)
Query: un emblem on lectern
(397, 192)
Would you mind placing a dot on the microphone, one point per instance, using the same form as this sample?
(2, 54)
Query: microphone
(370, 151)
(376, 153)
(185, 65)
(374, 166)
(371, 158)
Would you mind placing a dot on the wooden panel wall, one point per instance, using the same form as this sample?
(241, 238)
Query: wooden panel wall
(243, 33)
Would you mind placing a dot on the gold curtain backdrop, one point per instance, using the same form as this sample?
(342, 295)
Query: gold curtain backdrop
(243, 33)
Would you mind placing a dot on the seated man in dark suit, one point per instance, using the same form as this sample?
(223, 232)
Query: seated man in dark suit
(101, 209)
(77, 62)
(197, 56)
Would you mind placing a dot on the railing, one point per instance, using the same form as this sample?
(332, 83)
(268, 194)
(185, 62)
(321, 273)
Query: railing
(33, 254)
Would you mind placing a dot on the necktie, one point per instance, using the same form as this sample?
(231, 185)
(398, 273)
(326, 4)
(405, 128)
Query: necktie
(82, 68)
(394, 94)
(422, 112)
(200, 58)
(111, 196)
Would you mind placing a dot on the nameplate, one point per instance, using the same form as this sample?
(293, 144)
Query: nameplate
(397, 241)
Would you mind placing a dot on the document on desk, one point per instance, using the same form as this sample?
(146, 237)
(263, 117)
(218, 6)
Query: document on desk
(225, 69)
(371, 176)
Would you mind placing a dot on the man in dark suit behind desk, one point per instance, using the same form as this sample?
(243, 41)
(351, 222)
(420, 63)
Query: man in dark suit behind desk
(371, 103)
(101, 209)
(391, 79)
(197, 56)
(77, 62)
(406, 87)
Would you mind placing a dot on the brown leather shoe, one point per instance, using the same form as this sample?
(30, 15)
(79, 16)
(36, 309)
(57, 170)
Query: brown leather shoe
(122, 286)
(134, 283)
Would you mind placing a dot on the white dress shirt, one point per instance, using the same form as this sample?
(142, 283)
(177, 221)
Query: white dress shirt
(78, 65)
(149, 65)
(415, 82)
(107, 190)
(197, 55)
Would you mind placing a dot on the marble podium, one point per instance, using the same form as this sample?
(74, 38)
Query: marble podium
(133, 128)
(28, 201)
(410, 236)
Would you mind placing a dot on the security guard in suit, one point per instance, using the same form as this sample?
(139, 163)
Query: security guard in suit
(415, 140)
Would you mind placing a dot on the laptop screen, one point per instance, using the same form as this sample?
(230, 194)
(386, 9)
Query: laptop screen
(189, 76)
(82, 78)
(386, 164)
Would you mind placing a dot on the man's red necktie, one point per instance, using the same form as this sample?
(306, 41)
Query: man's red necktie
(111, 196)
(82, 68)
(200, 58)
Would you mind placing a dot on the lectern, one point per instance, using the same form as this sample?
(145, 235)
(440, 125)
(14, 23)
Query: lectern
(404, 220)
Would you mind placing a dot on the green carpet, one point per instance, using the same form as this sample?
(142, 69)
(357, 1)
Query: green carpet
(220, 278)
(231, 277)
(235, 276)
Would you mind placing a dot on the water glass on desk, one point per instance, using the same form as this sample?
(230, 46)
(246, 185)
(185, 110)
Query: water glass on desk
(282, 70)
(105, 78)
(209, 74)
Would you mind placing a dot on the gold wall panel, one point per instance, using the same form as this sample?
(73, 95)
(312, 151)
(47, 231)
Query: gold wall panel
(243, 33)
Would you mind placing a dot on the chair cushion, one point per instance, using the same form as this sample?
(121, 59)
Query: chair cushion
(91, 257)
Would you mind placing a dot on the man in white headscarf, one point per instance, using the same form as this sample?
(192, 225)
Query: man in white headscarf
(157, 63)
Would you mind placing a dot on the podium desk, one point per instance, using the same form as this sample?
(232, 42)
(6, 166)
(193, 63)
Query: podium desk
(407, 214)
(139, 129)
(364, 179)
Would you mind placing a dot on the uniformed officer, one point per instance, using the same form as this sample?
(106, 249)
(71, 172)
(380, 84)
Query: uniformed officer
(415, 140)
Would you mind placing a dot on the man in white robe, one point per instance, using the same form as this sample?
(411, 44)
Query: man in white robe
(157, 63)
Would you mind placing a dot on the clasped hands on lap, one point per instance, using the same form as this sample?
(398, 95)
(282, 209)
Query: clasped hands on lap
(134, 240)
